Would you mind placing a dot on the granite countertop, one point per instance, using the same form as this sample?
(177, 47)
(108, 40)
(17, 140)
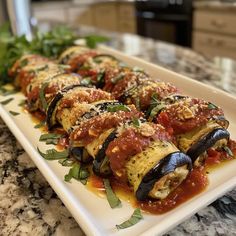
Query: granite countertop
(29, 206)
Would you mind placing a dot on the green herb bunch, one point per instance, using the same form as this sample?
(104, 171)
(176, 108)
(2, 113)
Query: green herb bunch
(50, 44)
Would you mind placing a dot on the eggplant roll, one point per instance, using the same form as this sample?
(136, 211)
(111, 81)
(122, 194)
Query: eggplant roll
(191, 120)
(143, 157)
(27, 60)
(76, 56)
(71, 103)
(46, 89)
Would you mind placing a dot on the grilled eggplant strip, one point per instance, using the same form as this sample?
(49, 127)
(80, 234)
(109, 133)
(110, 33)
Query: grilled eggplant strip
(217, 138)
(50, 88)
(51, 111)
(164, 176)
(101, 162)
(80, 154)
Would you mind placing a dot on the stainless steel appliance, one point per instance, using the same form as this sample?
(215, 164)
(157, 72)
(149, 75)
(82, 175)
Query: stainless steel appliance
(18, 14)
(167, 20)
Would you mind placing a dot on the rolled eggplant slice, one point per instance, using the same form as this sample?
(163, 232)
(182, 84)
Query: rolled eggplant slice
(49, 89)
(217, 138)
(52, 108)
(101, 165)
(71, 52)
(199, 140)
(158, 170)
(80, 154)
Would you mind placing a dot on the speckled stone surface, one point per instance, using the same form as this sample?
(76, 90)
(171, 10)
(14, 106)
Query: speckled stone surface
(28, 205)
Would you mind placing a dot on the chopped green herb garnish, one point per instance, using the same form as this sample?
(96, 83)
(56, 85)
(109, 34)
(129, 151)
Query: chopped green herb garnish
(156, 110)
(41, 68)
(42, 96)
(117, 78)
(212, 106)
(5, 102)
(23, 63)
(134, 219)
(100, 77)
(136, 122)
(228, 151)
(39, 125)
(85, 81)
(6, 92)
(45, 137)
(77, 172)
(53, 154)
(118, 107)
(113, 200)
(105, 166)
(49, 44)
(138, 69)
(22, 103)
(93, 40)
(66, 162)
(14, 113)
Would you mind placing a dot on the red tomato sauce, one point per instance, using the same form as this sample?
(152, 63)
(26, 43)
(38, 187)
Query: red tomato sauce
(86, 95)
(91, 129)
(169, 118)
(194, 184)
(77, 61)
(129, 144)
(216, 157)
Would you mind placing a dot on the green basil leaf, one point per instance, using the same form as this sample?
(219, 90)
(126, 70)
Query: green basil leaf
(93, 40)
(77, 172)
(138, 69)
(22, 103)
(42, 96)
(156, 109)
(23, 62)
(14, 113)
(228, 151)
(134, 219)
(100, 77)
(39, 125)
(136, 122)
(51, 141)
(5, 102)
(113, 200)
(53, 154)
(117, 78)
(118, 107)
(85, 81)
(45, 137)
(212, 106)
(6, 92)
(66, 162)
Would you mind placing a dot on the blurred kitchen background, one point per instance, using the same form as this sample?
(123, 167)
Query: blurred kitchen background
(206, 26)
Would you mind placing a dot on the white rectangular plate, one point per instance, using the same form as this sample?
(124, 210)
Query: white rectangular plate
(92, 212)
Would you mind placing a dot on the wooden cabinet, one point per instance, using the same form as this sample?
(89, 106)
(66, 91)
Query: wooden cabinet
(214, 45)
(82, 15)
(214, 32)
(113, 16)
(127, 18)
(217, 22)
(105, 16)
